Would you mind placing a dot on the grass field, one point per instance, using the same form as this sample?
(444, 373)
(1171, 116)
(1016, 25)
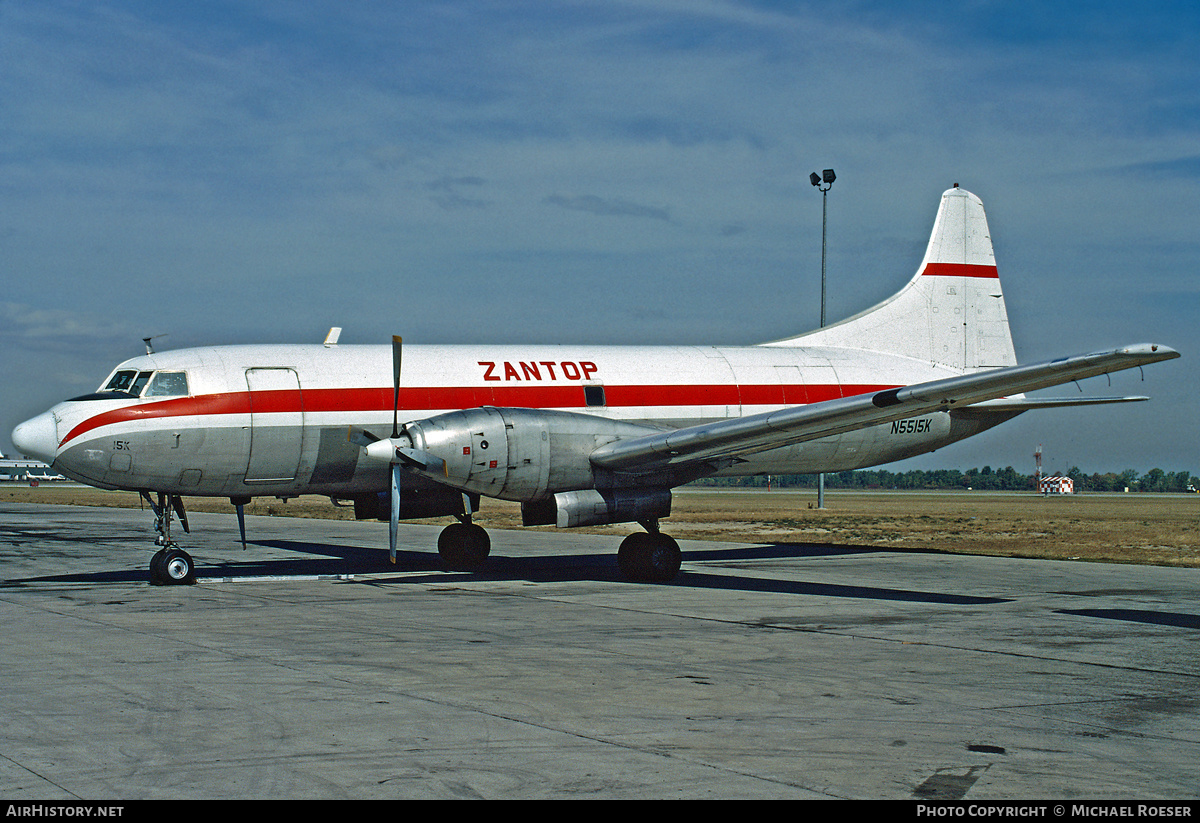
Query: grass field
(1129, 528)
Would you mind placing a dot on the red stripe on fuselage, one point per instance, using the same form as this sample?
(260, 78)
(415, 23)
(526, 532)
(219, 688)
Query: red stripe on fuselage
(466, 397)
(959, 270)
(201, 405)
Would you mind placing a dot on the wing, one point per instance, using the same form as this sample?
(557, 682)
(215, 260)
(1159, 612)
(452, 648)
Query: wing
(729, 439)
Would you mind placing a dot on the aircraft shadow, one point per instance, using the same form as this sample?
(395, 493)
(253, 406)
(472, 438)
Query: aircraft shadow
(326, 560)
(323, 559)
(1180, 620)
(598, 567)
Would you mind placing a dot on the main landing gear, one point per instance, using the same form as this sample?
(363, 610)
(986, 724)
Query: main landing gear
(170, 565)
(650, 555)
(464, 545)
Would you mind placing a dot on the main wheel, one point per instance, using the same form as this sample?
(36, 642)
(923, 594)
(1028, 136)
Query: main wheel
(631, 555)
(464, 546)
(651, 557)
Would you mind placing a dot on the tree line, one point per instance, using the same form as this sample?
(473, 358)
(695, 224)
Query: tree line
(987, 478)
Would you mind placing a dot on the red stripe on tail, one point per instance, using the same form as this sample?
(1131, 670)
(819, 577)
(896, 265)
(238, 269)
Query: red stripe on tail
(959, 270)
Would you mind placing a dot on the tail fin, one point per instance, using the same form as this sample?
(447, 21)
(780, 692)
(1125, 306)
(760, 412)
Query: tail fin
(951, 313)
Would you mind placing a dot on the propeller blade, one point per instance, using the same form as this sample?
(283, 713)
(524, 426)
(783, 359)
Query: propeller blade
(394, 522)
(397, 344)
(424, 461)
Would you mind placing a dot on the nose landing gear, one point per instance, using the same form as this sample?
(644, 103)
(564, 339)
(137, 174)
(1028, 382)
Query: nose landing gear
(170, 565)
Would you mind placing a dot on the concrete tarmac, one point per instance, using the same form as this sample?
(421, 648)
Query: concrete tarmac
(307, 667)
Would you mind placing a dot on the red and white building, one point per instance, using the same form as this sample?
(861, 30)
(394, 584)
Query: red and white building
(1057, 485)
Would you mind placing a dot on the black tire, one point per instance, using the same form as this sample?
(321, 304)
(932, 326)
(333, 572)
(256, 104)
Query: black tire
(157, 572)
(631, 556)
(464, 546)
(649, 557)
(664, 559)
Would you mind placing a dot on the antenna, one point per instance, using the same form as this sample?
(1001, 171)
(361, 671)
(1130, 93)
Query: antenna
(1037, 477)
(149, 346)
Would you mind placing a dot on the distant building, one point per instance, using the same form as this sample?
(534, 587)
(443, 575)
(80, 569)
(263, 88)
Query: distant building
(1057, 485)
(25, 470)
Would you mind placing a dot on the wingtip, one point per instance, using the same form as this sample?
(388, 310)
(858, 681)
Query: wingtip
(1154, 351)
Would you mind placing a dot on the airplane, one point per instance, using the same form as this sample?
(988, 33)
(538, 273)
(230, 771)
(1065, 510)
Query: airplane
(42, 476)
(579, 435)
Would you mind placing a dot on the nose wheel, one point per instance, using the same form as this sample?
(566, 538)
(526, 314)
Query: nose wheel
(170, 565)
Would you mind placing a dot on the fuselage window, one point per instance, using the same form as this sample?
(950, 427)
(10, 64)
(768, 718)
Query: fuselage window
(168, 384)
(593, 395)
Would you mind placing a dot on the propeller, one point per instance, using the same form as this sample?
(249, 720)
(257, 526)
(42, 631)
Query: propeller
(380, 449)
(400, 457)
(394, 521)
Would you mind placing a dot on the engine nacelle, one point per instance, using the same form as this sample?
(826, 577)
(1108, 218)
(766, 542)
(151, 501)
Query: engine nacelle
(514, 454)
(414, 503)
(593, 507)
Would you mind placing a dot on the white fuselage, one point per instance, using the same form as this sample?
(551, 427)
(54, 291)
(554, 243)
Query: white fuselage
(273, 419)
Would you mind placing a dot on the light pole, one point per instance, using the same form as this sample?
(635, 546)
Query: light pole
(823, 182)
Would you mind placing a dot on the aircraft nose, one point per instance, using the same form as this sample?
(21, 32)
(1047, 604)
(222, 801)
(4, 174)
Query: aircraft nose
(37, 437)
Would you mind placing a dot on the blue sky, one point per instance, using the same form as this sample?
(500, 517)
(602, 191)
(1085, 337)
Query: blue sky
(597, 172)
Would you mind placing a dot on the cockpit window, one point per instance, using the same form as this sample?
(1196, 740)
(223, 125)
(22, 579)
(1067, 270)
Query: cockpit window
(168, 384)
(121, 381)
(133, 383)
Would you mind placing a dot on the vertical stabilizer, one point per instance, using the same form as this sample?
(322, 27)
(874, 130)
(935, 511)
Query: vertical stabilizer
(951, 313)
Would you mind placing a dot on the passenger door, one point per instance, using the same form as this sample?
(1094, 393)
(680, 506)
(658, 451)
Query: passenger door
(276, 425)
